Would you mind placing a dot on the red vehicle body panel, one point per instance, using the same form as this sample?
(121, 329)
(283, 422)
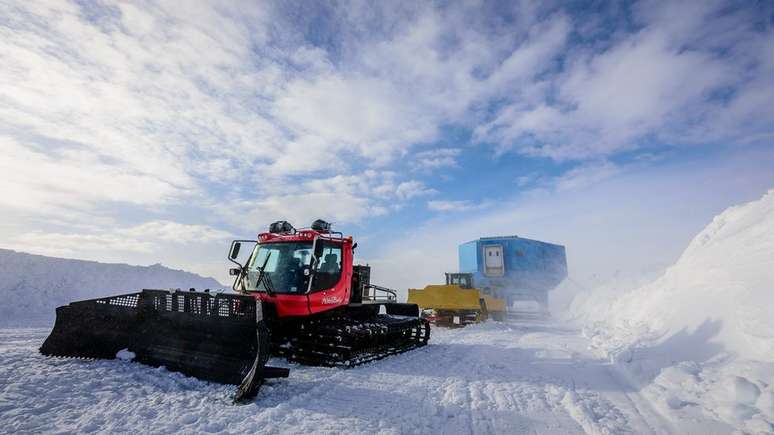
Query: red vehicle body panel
(318, 301)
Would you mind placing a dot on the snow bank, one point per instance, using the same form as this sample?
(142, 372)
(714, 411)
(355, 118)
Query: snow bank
(703, 333)
(722, 286)
(32, 286)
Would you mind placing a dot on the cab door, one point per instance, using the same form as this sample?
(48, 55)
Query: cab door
(332, 275)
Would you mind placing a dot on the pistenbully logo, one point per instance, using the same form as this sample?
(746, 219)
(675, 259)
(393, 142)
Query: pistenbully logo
(329, 300)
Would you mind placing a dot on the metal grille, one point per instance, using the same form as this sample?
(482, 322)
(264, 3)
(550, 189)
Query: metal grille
(196, 303)
(129, 301)
(224, 309)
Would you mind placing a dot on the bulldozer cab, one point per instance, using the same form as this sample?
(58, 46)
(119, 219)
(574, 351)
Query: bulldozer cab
(464, 280)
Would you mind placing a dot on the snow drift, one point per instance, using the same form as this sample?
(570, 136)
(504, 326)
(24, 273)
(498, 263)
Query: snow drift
(722, 286)
(32, 286)
(700, 338)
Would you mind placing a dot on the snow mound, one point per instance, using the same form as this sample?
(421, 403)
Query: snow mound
(32, 286)
(125, 355)
(699, 340)
(717, 296)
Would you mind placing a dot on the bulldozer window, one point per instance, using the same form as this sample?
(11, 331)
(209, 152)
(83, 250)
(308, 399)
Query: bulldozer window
(328, 268)
(462, 280)
(285, 265)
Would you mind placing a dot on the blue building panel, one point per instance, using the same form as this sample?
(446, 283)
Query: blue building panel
(530, 268)
(468, 261)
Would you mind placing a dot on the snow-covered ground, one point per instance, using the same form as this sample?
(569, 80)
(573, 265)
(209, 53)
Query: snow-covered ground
(533, 377)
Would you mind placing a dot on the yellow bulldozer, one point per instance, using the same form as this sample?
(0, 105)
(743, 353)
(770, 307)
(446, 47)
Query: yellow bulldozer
(458, 302)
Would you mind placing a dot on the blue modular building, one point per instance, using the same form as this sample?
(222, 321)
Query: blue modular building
(514, 268)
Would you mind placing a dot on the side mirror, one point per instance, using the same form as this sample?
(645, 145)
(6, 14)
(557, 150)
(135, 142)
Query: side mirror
(234, 271)
(235, 250)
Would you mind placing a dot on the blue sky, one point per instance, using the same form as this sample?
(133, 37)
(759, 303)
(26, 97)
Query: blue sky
(148, 132)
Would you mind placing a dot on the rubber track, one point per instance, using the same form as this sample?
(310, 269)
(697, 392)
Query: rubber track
(347, 342)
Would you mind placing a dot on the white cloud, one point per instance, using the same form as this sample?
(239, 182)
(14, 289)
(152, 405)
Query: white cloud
(143, 238)
(661, 81)
(356, 113)
(303, 208)
(463, 205)
(119, 106)
(168, 231)
(39, 182)
(436, 158)
(531, 178)
(413, 189)
(69, 244)
(586, 175)
(129, 91)
(580, 176)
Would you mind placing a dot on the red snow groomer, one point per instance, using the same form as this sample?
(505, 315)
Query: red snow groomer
(299, 295)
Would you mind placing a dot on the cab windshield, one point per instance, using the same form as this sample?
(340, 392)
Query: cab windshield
(285, 265)
(288, 267)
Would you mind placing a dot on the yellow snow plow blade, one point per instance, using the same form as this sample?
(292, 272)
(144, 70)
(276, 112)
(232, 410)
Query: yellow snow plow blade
(494, 305)
(445, 297)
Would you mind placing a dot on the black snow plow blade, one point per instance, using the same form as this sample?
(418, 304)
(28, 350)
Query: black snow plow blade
(215, 338)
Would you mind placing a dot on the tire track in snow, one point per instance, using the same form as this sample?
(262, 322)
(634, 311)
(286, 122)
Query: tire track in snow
(514, 400)
(650, 415)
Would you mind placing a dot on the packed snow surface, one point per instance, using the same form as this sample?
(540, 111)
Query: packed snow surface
(488, 378)
(700, 338)
(32, 286)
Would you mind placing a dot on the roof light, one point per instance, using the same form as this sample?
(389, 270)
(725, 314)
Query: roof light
(281, 227)
(321, 226)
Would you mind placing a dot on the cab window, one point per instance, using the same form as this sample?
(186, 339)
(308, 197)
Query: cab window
(328, 268)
